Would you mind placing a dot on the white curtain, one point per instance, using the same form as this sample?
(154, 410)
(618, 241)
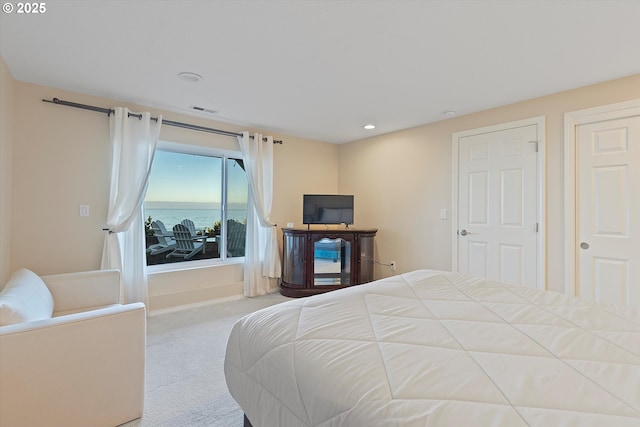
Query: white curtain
(133, 145)
(262, 258)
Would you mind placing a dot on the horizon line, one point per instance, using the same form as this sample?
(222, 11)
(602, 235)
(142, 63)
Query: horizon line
(191, 205)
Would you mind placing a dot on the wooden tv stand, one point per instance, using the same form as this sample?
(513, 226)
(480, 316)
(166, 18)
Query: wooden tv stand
(316, 260)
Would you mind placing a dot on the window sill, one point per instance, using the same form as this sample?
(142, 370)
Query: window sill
(192, 265)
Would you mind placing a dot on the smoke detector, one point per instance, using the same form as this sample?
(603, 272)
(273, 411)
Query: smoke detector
(190, 77)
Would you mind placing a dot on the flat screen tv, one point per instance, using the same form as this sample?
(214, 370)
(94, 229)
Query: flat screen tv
(327, 209)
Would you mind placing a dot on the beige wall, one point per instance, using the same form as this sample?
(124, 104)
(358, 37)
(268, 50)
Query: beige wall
(61, 160)
(6, 146)
(403, 179)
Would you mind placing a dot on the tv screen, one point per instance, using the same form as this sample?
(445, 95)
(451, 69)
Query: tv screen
(327, 209)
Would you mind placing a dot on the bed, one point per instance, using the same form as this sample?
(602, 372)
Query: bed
(430, 348)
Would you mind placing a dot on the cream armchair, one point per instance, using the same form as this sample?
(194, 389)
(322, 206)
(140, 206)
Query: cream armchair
(81, 366)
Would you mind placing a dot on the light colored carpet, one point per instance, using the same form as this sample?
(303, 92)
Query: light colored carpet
(185, 385)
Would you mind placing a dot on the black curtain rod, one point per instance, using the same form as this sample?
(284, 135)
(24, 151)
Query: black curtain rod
(109, 111)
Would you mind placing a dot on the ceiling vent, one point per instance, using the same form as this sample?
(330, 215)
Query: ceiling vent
(204, 110)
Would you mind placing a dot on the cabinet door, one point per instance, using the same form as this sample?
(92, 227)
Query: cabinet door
(332, 260)
(366, 259)
(293, 259)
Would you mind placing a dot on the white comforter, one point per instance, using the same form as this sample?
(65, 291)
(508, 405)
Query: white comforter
(430, 348)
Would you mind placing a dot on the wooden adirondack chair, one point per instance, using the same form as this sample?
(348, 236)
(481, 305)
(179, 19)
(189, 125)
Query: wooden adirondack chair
(191, 226)
(185, 245)
(165, 241)
(236, 238)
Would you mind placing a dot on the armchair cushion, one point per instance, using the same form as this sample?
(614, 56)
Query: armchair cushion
(25, 298)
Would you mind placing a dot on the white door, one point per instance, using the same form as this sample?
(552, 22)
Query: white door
(498, 204)
(608, 211)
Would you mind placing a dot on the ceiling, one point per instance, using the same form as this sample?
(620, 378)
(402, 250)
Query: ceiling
(323, 69)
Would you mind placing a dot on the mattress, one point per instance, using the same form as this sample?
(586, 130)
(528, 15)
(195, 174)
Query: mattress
(431, 348)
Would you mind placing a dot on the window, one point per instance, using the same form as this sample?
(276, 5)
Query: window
(195, 207)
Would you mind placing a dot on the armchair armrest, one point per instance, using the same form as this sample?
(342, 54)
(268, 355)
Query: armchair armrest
(73, 291)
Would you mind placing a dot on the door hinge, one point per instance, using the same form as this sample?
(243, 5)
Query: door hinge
(537, 227)
(534, 142)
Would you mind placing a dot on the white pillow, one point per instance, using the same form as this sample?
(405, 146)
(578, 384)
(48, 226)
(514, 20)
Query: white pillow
(25, 298)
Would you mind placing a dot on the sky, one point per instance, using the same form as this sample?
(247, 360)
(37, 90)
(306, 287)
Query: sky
(188, 178)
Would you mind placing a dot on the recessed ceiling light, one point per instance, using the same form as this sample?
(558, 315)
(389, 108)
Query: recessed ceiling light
(189, 77)
(449, 113)
(369, 126)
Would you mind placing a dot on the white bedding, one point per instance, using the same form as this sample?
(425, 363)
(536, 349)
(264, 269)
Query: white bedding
(430, 348)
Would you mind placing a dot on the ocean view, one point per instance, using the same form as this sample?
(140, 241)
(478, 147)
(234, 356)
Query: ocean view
(201, 217)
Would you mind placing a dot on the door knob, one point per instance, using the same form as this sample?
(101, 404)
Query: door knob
(584, 245)
(464, 232)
